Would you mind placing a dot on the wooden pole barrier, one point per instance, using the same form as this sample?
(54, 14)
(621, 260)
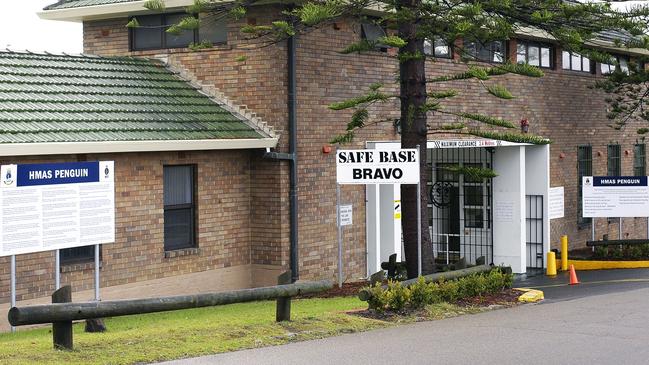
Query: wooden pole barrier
(75, 311)
(62, 330)
(283, 311)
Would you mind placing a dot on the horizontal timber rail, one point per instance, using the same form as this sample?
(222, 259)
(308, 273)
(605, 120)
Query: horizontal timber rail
(62, 311)
(617, 242)
(57, 312)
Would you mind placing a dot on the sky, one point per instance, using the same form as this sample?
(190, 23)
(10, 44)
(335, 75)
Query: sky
(21, 29)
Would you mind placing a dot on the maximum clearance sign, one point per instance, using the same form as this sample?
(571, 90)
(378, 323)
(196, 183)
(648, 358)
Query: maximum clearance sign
(56, 205)
(377, 166)
(615, 196)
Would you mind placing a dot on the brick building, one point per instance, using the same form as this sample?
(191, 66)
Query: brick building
(242, 207)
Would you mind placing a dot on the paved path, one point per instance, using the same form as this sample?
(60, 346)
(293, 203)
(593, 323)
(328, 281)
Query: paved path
(592, 329)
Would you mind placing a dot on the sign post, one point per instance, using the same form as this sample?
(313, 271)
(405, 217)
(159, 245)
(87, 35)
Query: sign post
(13, 285)
(362, 167)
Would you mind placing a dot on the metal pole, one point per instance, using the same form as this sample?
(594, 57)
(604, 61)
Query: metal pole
(592, 231)
(419, 222)
(13, 285)
(97, 272)
(57, 270)
(619, 229)
(340, 238)
(648, 228)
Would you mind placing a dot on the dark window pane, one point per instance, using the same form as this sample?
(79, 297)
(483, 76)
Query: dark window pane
(446, 175)
(180, 40)
(372, 32)
(77, 254)
(177, 185)
(473, 218)
(213, 29)
(149, 34)
(179, 228)
(473, 195)
(614, 165)
(639, 165)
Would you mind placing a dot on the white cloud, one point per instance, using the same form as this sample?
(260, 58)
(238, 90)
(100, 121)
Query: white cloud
(21, 28)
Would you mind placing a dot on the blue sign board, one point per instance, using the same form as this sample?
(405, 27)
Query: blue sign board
(619, 181)
(55, 173)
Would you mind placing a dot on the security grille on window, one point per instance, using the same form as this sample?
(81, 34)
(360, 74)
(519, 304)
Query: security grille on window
(437, 48)
(179, 207)
(584, 168)
(639, 162)
(614, 160)
(621, 63)
(535, 54)
(575, 62)
(152, 34)
(488, 52)
(77, 255)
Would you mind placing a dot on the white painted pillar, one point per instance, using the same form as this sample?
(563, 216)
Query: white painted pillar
(509, 208)
(537, 182)
(373, 228)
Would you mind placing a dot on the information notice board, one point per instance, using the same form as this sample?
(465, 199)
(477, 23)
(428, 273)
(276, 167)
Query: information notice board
(56, 205)
(615, 196)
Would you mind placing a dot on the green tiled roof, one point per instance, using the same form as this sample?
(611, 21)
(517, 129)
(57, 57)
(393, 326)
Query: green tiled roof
(61, 98)
(66, 4)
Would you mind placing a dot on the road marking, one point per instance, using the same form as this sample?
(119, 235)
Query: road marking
(595, 282)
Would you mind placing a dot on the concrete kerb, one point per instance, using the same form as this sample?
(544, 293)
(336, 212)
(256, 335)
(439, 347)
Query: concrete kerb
(530, 295)
(606, 265)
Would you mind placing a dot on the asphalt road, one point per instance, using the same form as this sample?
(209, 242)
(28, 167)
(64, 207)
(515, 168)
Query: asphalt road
(593, 323)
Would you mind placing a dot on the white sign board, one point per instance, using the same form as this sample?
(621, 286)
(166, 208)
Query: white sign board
(556, 202)
(56, 205)
(615, 196)
(346, 215)
(377, 166)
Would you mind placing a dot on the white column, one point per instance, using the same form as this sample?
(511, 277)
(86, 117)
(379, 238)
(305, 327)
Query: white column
(537, 182)
(509, 208)
(373, 227)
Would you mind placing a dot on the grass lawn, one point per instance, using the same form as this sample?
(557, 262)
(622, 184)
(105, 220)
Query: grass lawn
(189, 333)
(194, 332)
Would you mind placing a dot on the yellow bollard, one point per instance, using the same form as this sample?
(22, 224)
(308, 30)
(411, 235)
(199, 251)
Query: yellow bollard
(564, 253)
(552, 264)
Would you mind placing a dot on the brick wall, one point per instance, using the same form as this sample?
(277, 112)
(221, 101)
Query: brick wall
(562, 105)
(223, 221)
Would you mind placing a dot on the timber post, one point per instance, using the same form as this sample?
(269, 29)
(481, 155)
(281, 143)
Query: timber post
(283, 312)
(62, 330)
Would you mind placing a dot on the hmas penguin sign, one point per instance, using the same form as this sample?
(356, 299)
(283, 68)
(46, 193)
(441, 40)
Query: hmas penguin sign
(377, 166)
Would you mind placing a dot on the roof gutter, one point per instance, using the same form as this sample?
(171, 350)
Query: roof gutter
(62, 148)
(106, 11)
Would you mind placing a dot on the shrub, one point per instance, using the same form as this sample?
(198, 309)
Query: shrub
(635, 252)
(601, 252)
(617, 252)
(398, 295)
(645, 249)
(378, 300)
(421, 293)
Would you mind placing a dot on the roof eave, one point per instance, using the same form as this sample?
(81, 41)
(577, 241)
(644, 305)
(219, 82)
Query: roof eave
(63, 148)
(107, 11)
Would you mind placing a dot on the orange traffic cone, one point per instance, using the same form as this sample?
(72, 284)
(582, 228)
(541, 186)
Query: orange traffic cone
(573, 276)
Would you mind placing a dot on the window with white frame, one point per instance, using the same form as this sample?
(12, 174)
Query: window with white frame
(488, 52)
(535, 54)
(575, 62)
(619, 63)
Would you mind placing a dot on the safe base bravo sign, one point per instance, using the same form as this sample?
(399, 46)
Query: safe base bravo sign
(377, 166)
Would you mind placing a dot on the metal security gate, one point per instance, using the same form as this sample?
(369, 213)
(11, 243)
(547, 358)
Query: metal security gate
(460, 206)
(534, 230)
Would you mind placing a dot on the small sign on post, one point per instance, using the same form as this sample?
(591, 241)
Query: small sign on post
(346, 215)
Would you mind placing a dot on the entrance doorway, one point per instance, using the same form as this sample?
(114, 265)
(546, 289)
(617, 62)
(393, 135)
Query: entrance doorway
(460, 207)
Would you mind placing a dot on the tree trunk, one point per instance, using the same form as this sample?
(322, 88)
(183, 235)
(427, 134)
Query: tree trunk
(414, 132)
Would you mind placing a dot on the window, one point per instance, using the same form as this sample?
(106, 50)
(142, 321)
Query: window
(639, 164)
(372, 32)
(179, 207)
(575, 62)
(152, 32)
(584, 168)
(488, 52)
(76, 255)
(437, 48)
(621, 63)
(535, 54)
(614, 165)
